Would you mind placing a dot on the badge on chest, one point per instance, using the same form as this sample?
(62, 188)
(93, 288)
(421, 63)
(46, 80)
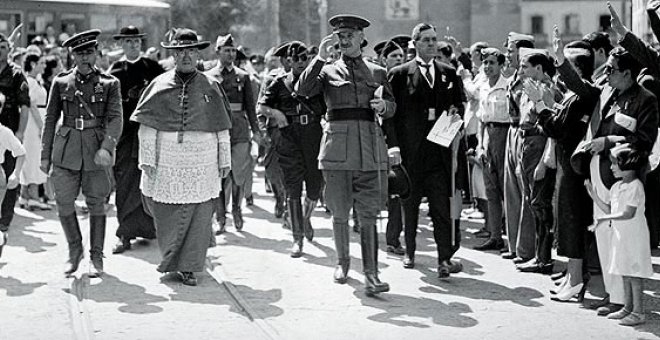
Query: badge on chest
(431, 114)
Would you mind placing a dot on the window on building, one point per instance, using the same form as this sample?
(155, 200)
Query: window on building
(537, 24)
(9, 20)
(572, 24)
(604, 23)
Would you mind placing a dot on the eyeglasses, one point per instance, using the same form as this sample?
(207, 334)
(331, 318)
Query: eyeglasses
(299, 58)
(609, 69)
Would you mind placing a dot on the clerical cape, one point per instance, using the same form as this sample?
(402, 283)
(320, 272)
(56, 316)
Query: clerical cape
(171, 103)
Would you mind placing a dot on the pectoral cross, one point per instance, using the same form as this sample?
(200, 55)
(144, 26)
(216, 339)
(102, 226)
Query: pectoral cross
(183, 96)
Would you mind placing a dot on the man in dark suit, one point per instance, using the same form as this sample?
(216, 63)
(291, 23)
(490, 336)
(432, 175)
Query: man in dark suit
(424, 89)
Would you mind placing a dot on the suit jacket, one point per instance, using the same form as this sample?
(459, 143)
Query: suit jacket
(411, 122)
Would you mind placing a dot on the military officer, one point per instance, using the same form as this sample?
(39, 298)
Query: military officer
(353, 155)
(80, 151)
(237, 86)
(299, 123)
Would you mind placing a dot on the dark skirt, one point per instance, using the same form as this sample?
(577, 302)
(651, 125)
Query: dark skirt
(574, 211)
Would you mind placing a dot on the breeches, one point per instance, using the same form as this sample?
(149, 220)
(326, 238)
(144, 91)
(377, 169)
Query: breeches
(95, 185)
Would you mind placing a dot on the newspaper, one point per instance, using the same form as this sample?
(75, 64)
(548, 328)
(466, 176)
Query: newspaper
(445, 129)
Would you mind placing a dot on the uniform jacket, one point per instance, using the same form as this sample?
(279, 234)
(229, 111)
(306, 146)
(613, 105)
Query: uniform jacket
(14, 86)
(411, 123)
(349, 83)
(75, 149)
(238, 88)
(278, 95)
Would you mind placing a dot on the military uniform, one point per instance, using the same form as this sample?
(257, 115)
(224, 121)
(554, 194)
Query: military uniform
(90, 107)
(298, 147)
(14, 86)
(353, 154)
(238, 89)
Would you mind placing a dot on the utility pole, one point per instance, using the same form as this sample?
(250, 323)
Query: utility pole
(275, 22)
(323, 17)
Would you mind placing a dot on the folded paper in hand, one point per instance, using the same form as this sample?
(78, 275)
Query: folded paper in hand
(445, 129)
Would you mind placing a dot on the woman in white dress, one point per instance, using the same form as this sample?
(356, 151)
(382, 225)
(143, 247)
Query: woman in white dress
(31, 175)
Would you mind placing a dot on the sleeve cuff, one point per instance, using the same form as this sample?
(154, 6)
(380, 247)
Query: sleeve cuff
(392, 150)
(224, 149)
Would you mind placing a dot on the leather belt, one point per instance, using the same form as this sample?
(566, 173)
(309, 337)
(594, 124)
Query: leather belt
(530, 132)
(236, 106)
(497, 125)
(350, 114)
(302, 119)
(82, 124)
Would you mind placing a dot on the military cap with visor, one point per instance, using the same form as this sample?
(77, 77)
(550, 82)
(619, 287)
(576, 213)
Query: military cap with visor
(348, 21)
(82, 40)
(390, 47)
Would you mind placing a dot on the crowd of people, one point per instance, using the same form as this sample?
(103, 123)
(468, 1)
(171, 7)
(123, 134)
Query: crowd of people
(555, 144)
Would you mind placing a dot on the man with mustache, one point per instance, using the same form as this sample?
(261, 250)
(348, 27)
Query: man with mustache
(353, 154)
(80, 151)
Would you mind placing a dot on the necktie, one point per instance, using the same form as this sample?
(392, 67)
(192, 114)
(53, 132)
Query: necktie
(427, 73)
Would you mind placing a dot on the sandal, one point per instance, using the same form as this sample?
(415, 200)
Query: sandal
(633, 319)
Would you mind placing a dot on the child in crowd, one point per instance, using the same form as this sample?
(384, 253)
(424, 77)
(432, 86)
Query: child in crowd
(631, 256)
(8, 142)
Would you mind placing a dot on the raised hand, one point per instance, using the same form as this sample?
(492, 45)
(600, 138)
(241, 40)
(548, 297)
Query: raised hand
(615, 21)
(558, 45)
(15, 35)
(533, 90)
(653, 5)
(326, 42)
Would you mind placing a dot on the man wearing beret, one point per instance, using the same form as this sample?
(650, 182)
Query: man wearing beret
(237, 86)
(353, 154)
(134, 73)
(80, 152)
(14, 115)
(425, 89)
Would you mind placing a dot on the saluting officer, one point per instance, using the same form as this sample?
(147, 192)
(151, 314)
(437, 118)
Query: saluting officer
(236, 84)
(299, 123)
(80, 152)
(353, 155)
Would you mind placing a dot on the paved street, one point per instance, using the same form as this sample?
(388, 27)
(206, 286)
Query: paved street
(252, 289)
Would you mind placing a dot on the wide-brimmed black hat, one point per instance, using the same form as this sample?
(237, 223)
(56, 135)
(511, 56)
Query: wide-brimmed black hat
(398, 182)
(129, 31)
(82, 40)
(184, 38)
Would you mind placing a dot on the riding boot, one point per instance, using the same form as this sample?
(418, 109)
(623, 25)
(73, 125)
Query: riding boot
(280, 201)
(96, 240)
(308, 210)
(340, 232)
(369, 242)
(295, 211)
(74, 239)
(236, 201)
(220, 209)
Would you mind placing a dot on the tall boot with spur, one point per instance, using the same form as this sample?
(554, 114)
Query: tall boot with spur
(340, 231)
(74, 239)
(308, 210)
(96, 240)
(369, 242)
(295, 212)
